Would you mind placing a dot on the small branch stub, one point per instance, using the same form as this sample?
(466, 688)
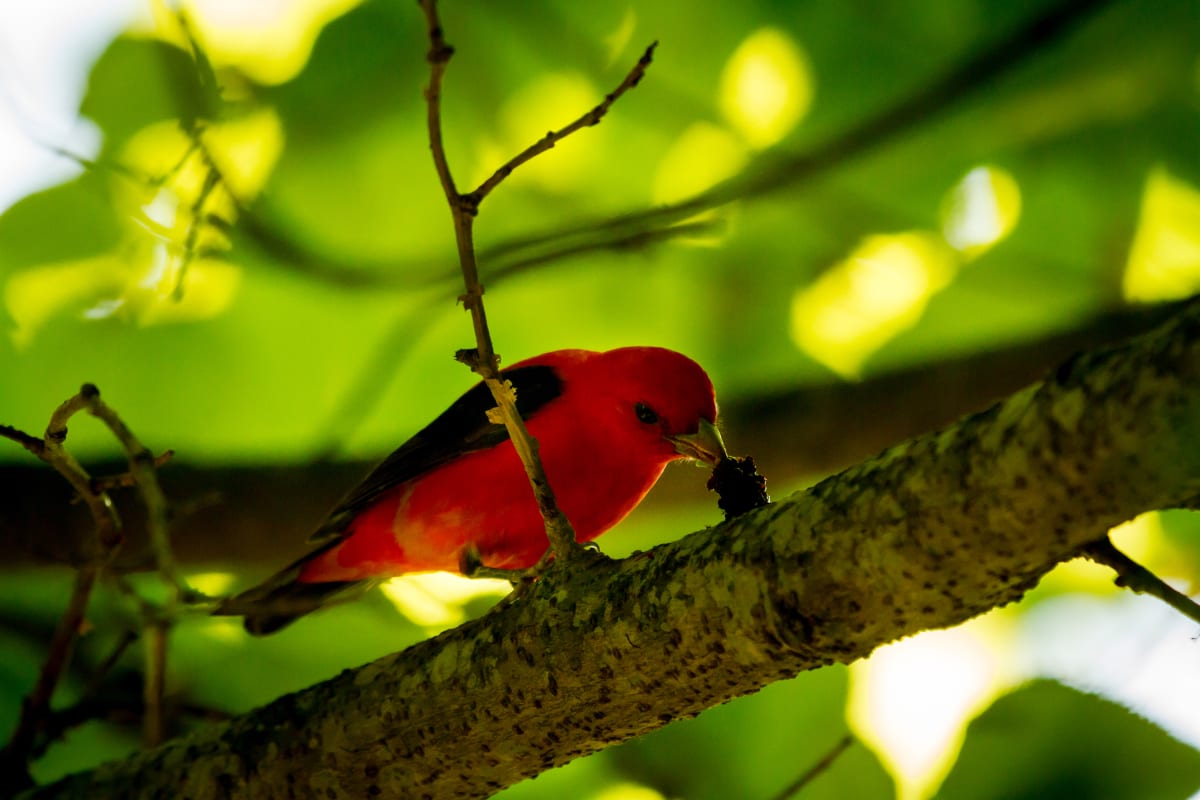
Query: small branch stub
(1133, 576)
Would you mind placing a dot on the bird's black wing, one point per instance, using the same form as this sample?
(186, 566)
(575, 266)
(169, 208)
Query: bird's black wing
(462, 428)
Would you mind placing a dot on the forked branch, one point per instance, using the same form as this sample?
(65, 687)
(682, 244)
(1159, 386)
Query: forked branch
(463, 209)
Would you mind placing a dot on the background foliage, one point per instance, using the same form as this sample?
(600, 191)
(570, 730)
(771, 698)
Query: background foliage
(286, 293)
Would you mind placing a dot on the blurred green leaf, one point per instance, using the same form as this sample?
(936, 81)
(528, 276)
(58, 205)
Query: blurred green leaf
(218, 665)
(140, 81)
(1047, 740)
(365, 65)
(31, 230)
(759, 745)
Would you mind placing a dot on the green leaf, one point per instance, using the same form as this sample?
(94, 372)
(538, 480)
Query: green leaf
(758, 745)
(364, 66)
(1047, 740)
(32, 230)
(140, 81)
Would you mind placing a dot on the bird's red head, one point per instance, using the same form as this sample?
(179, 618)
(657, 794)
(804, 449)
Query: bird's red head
(650, 398)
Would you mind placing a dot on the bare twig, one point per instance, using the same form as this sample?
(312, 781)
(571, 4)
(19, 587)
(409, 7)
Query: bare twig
(941, 95)
(154, 685)
(35, 711)
(142, 467)
(1133, 576)
(987, 64)
(104, 515)
(35, 708)
(59, 721)
(463, 208)
(127, 479)
(120, 711)
(126, 639)
(816, 769)
(552, 138)
(212, 179)
(31, 443)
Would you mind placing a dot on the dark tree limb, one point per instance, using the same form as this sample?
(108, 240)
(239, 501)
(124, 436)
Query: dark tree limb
(926, 535)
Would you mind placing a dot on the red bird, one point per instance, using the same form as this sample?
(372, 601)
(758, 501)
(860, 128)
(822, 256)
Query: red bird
(606, 423)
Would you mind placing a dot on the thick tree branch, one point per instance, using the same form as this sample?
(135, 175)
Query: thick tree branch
(926, 535)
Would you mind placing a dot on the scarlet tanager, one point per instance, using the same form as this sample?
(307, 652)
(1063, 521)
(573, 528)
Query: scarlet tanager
(607, 424)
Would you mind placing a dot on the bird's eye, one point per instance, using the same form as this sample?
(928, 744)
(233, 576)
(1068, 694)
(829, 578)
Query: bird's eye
(645, 413)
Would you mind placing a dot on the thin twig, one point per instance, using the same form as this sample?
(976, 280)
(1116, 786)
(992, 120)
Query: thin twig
(438, 57)
(31, 443)
(127, 638)
(953, 87)
(367, 388)
(127, 479)
(142, 467)
(36, 707)
(552, 138)
(212, 179)
(104, 514)
(160, 180)
(35, 711)
(156, 623)
(816, 769)
(119, 711)
(1133, 576)
(60, 721)
(463, 209)
(154, 684)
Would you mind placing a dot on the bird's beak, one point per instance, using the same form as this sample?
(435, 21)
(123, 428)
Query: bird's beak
(705, 444)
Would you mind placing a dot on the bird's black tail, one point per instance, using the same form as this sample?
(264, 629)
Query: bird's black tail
(282, 599)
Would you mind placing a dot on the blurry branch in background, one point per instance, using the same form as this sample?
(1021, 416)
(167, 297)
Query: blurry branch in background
(815, 771)
(639, 230)
(796, 433)
(767, 175)
(212, 179)
(773, 173)
(190, 248)
(840, 422)
(99, 550)
(388, 351)
(127, 479)
(60, 721)
(548, 141)
(258, 226)
(1133, 576)
(464, 207)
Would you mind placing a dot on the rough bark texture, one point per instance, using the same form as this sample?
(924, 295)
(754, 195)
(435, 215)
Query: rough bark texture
(926, 535)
